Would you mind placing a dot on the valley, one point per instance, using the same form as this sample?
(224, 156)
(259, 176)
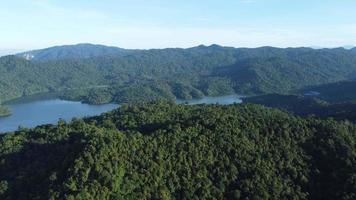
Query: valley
(176, 73)
(177, 100)
(168, 124)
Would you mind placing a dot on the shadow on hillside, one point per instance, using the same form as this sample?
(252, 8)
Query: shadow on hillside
(37, 167)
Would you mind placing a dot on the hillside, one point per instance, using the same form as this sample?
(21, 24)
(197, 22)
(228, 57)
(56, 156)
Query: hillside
(335, 92)
(177, 73)
(336, 100)
(167, 151)
(306, 106)
(72, 52)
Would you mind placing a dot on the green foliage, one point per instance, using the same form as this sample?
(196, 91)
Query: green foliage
(141, 91)
(183, 73)
(166, 151)
(4, 111)
(218, 86)
(335, 92)
(73, 52)
(305, 106)
(186, 92)
(3, 187)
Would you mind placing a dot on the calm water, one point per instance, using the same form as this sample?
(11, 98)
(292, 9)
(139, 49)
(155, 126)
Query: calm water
(30, 113)
(222, 100)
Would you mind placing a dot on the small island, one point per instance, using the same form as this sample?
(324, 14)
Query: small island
(4, 111)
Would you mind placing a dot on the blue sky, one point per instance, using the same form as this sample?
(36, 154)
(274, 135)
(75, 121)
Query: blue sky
(32, 24)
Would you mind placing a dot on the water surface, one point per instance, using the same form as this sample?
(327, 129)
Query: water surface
(30, 114)
(222, 100)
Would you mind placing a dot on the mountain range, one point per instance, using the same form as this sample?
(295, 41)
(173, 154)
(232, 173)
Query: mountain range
(78, 51)
(102, 75)
(161, 150)
(87, 50)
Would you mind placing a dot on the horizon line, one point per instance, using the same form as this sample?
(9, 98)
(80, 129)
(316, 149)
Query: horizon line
(24, 50)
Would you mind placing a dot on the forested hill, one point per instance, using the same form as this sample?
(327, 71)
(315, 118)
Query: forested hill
(73, 52)
(178, 73)
(307, 106)
(335, 92)
(167, 151)
(336, 100)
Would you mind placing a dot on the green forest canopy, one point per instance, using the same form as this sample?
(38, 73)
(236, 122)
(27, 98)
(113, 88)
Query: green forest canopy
(176, 73)
(336, 100)
(166, 151)
(4, 111)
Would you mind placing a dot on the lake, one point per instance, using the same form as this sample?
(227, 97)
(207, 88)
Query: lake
(31, 112)
(222, 100)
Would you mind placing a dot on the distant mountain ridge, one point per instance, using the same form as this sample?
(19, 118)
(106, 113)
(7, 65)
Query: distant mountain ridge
(175, 72)
(88, 50)
(77, 51)
(6, 52)
(347, 47)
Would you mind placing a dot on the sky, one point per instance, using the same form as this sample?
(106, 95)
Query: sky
(145, 24)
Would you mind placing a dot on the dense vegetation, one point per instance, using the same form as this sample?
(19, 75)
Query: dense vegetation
(306, 105)
(166, 151)
(73, 52)
(4, 111)
(176, 73)
(335, 92)
(133, 93)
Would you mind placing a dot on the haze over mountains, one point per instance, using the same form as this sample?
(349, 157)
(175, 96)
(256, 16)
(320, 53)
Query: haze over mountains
(73, 52)
(87, 50)
(5, 52)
